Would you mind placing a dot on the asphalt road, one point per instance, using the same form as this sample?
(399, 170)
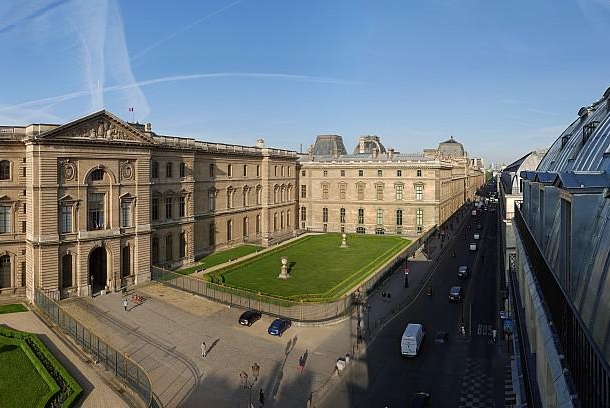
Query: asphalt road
(468, 371)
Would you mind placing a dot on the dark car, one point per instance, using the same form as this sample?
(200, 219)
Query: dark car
(278, 327)
(420, 399)
(249, 316)
(462, 272)
(455, 294)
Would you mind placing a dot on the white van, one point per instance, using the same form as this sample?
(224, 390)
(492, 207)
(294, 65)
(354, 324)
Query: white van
(412, 339)
(473, 246)
(477, 235)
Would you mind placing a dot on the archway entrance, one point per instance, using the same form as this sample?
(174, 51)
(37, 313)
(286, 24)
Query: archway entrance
(97, 269)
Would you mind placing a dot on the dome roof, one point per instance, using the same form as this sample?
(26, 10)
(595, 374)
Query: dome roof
(451, 148)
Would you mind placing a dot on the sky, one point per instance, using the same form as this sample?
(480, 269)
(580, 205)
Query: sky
(502, 77)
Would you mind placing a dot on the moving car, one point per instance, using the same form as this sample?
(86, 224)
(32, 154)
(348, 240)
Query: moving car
(412, 339)
(249, 316)
(420, 399)
(455, 294)
(278, 327)
(462, 272)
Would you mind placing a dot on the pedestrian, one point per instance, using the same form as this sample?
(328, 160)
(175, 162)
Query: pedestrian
(389, 297)
(301, 364)
(125, 304)
(261, 398)
(494, 335)
(203, 349)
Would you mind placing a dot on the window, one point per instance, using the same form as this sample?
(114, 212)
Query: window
(342, 215)
(325, 191)
(379, 172)
(211, 170)
(360, 215)
(182, 170)
(25, 208)
(154, 248)
(97, 175)
(419, 217)
(399, 191)
(303, 214)
(303, 191)
(398, 217)
(66, 271)
(258, 170)
(289, 171)
(154, 171)
(125, 214)
(65, 222)
(244, 227)
(155, 208)
(283, 171)
(212, 234)
(258, 224)
(303, 173)
(342, 190)
(168, 169)
(229, 230)
(274, 221)
(23, 227)
(360, 173)
(324, 214)
(245, 194)
(282, 220)
(230, 198)
(379, 191)
(126, 261)
(418, 173)
(342, 173)
(23, 171)
(399, 173)
(360, 230)
(325, 173)
(379, 216)
(275, 171)
(169, 246)
(419, 192)
(168, 208)
(96, 210)
(288, 218)
(211, 200)
(259, 195)
(360, 191)
(182, 245)
(245, 170)
(5, 170)
(182, 206)
(230, 170)
(5, 271)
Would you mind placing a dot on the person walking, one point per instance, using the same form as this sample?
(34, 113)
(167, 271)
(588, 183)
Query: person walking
(125, 304)
(261, 398)
(203, 349)
(301, 364)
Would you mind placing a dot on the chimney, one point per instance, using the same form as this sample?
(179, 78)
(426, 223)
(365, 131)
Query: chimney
(260, 143)
(390, 154)
(148, 127)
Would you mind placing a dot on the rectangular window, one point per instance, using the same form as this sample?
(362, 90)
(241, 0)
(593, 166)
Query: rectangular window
(245, 170)
(360, 173)
(259, 195)
(342, 190)
(23, 227)
(182, 206)
(325, 191)
(418, 173)
(125, 214)
(360, 191)
(303, 214)
(289, 171)
(325, 173)
(211, 200)
(379, 216)
(25, 208)
(211, 170)
(303, 173)
(379, 172)
(168, 208)
(398, 217)
(324, 214)
(399, 191)
(419, 192)
(155, 209)
(65, 221)
(96, 210)
(230, 170)
(182, 245)
(168, 170)
(419, 217)
(379, 190)
(398, 173)
(360, 215)
(258, 170)
(23, 171)
(154, 171)
(182, 170)
(303, 191)
(342, 215)
(168, 248)
(342, 173)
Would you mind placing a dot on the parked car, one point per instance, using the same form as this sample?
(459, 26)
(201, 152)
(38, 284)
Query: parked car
(420, 399)
(441, 337)
(278, 327)
(455, 294)
(249, 316)
(462, 272)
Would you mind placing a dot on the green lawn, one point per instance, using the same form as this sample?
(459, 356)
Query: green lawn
(12, 308)
(218, 258)
(20, 383)
(319, 268)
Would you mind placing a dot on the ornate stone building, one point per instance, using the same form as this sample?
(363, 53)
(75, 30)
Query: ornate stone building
(89, 205)
(381, 191)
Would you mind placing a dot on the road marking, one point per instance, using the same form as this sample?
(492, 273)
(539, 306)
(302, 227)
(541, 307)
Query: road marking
(484, 329)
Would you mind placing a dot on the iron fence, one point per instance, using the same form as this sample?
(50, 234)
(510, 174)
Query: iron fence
(118, 363)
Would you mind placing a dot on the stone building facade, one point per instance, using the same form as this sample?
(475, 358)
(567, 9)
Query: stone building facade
(379, 191)
(89, 205)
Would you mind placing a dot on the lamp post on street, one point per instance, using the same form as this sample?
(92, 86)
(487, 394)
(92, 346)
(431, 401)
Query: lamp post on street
(248, 384)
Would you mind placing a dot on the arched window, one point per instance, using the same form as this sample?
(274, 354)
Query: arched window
(229, 230)
(5, 170)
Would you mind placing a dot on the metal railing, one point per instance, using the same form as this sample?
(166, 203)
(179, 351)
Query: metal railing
(588, 369)
(124, 368)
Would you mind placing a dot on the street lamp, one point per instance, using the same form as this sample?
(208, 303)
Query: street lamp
(249, 384)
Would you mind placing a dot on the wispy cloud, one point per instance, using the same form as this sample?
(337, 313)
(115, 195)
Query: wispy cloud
(187, 27)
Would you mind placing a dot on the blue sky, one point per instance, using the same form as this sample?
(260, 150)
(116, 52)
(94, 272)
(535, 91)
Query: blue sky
(501, 77)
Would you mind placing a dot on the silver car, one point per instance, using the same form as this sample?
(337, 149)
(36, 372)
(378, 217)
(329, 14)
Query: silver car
(462, 272)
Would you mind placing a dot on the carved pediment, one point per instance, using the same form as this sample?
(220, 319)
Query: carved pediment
(101, 126)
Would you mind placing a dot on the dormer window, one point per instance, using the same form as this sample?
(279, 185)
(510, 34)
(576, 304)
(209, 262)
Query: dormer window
(587, 131)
